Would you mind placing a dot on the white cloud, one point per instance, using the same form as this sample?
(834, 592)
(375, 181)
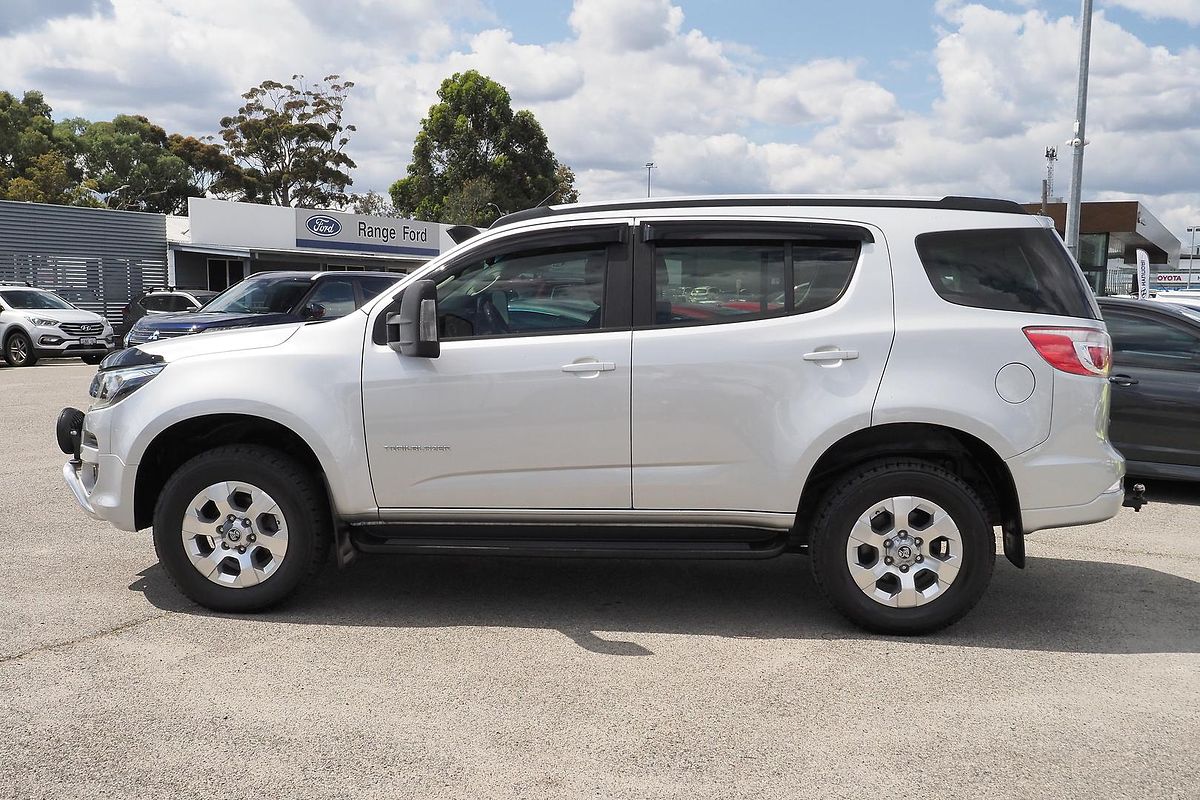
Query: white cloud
(1185, 10)
(632, 82)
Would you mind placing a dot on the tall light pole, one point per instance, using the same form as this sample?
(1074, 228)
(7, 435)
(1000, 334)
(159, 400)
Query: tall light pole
(1192, 255)
(1077, 143)
(649, 166)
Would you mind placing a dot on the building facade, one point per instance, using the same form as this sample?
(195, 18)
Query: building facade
(1110, 234)
(218, 243)
(100, 259)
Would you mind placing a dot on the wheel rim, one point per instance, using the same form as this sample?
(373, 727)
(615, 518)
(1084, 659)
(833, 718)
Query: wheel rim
(904, 552)
(17, 348)
(235, 534)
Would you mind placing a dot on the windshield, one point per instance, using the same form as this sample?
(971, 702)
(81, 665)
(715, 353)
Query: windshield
(30, 301)
(261, 296)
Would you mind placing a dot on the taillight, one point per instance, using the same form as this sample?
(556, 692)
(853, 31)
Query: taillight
(1080, 351)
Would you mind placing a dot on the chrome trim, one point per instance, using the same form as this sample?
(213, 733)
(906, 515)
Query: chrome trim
(585, 516)
(75, 484)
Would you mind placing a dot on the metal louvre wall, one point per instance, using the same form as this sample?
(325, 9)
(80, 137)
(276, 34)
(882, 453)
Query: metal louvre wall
(97, 258)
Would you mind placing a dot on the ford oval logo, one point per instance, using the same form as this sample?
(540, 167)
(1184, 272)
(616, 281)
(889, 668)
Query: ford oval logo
(323, 225)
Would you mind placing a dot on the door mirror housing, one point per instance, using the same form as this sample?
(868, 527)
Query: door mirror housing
(414, 331)
(313, 311)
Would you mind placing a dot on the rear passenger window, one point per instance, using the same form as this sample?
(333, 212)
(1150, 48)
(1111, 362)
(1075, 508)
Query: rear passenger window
(698, 283)
(1007, 269)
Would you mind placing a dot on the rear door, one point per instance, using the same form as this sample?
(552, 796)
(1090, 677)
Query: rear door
(780, 353)
(1156, 387)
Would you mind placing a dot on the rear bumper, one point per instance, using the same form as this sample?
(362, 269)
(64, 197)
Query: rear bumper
(1105, 506)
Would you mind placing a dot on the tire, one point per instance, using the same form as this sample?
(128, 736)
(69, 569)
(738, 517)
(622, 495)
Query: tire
(259, 581)
(879, 512)
(18, 350)
(91, 359)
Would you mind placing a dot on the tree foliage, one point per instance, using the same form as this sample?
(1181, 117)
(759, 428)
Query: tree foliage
(37, 157)
(475, 159)
(290, 142)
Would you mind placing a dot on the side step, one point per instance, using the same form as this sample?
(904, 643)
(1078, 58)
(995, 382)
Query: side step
(566, 541)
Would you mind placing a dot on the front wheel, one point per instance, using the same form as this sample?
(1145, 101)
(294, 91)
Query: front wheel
(241, 527)
(903, 547)
(18, 350)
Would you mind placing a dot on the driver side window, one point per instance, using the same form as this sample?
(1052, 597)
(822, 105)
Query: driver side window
(559, 290)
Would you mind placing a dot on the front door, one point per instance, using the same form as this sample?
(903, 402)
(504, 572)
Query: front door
(527, 407)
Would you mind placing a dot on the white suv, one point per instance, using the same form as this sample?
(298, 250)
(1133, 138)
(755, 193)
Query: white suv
(35, 323)
(894, 380)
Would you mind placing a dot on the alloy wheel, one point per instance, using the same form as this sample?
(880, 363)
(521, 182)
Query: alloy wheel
(904, 552)
(235, 534)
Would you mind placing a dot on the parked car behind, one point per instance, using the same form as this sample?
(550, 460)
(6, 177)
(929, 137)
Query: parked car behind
(1155, 417)
(36, 323)
(161, 301)
(269, 298)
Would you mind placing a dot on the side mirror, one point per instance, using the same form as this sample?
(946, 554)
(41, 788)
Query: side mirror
(313, 311)
(413, 331)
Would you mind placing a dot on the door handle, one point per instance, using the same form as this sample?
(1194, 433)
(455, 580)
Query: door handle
(831, 355)
(1123, 380)
(590, 366)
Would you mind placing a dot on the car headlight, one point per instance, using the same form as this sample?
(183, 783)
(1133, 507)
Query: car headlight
(42, 322)
(112, 386)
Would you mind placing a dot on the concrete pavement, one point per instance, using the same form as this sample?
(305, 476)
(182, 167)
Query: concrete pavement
(469, 677)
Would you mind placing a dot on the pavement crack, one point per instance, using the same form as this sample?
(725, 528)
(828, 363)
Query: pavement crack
(42, 648)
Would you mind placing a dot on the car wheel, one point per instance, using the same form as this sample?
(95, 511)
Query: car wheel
(18, 350)
(91, 359)
(241, 527)
(902, 547)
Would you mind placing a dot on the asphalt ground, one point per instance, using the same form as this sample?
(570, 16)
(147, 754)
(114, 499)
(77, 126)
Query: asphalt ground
(433, 677)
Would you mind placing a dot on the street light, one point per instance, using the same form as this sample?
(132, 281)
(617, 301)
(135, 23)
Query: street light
(649, 166)
(1078, 141)
(1192, 255)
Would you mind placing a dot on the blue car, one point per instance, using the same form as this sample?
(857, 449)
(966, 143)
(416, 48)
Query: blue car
(269, 298)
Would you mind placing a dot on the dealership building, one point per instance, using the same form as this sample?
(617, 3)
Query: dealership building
(99, 259)
(218, 243)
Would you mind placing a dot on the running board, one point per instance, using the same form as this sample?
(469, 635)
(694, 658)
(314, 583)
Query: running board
(567, 541)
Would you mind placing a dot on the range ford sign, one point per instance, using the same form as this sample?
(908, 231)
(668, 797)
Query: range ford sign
(323, 225)
(334, 230)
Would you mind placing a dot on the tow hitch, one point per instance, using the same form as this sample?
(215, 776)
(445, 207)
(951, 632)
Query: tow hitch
(1135, 497)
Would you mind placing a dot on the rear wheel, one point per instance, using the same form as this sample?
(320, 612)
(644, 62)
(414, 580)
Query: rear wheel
(18, 350)
(241, 527)
(903, 547)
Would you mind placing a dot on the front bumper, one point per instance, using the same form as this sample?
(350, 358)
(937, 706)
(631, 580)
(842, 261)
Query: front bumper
(101, 483)
(56, 343)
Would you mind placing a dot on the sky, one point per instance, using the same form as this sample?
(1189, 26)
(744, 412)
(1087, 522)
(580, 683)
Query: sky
(924, 97)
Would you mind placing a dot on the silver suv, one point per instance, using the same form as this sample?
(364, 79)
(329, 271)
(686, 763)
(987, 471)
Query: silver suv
(36, 323)
(878, 383)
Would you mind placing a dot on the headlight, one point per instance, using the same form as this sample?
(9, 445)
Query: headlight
(115, 385)
(42, 322)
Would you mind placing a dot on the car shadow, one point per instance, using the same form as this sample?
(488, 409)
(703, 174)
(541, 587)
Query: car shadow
(1056, 605)
(1172, 492)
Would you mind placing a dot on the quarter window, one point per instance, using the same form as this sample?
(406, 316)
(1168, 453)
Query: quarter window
(1007, 269)
(559, 291)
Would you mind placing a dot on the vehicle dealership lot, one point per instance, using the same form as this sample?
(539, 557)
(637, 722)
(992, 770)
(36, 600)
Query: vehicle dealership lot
(531, 677)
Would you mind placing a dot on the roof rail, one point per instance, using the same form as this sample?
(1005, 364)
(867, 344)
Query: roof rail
(948, 203)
